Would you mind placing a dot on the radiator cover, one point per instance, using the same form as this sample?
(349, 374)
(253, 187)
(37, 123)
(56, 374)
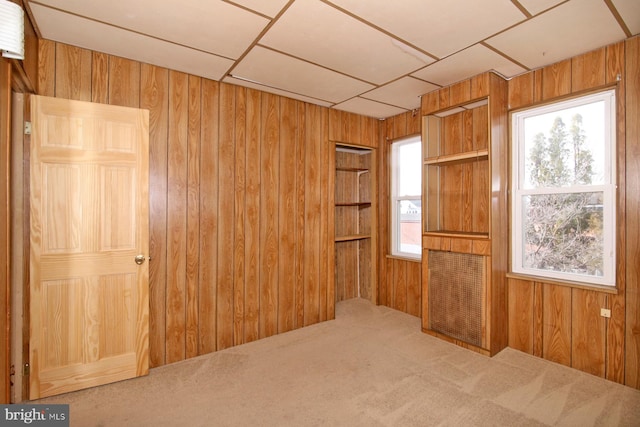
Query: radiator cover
(456, 295)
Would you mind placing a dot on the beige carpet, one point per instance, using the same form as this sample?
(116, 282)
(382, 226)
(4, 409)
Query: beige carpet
(370, 367)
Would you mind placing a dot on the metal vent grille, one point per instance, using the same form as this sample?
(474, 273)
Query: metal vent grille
(456, 295)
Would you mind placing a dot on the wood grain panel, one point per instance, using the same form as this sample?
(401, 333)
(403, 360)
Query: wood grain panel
(632, 213)
(312, 193)
(400, 285)
(414, 287)
(239, 239)
(383, 218)
(73, 73)
(193, 217)
(269, 256)
(124, 82)
(460, 92)
(588, 70)
(326, 258)
(521, 91)
(444, 97)
(46, 68)
(556, 80)
(252, 218)
(208, 217)
(430, 103)
(615, 64)
(588, 331)
(538, 319)
(177, 164)
(615, 344)
(331, 219)
(5, 229)
(300, 150)
(481, 85)
(155, 98)
(226, 217)
(557, 324)
(521, 298)
(287, 199)
(99, 78)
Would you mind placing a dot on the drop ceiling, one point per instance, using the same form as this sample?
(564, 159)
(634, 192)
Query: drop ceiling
(373, 57)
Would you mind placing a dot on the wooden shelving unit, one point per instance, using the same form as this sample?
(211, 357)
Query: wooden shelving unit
(464, 221)
(355, 222)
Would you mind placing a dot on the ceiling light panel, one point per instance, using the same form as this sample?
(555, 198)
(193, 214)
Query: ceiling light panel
(321, 34)
(280, 71)
(212, 26)
(435, 26)
(565, 31)
(369, 108)
(469, 62)
(402, 93)
(70, 29)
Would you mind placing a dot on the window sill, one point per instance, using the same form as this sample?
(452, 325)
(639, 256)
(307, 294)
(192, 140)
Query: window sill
(405, 258)
(586, 286)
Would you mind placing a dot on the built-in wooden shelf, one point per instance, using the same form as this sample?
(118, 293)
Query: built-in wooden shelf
(352, 237)
(448, 159)
(456, 234)
(342, 169)
(353, 204)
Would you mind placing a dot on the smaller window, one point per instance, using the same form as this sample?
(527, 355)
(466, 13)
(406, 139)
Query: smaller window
(406, 197)
(563, 199)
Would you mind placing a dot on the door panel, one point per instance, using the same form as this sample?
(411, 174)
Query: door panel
(89, 220)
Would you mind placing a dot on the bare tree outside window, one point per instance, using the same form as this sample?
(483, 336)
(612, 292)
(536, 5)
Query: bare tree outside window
(563, 231)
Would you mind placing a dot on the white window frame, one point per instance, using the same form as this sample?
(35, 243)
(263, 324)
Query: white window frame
(608, 188)
(395, 199)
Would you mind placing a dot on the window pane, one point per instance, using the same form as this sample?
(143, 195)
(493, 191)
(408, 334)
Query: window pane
(565, 147)
(410, 169)
(564, 233)
(409, 235)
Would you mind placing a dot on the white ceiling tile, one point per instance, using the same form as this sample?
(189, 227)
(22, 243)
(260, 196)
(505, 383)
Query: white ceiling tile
(404, 92)
(565, 31)
(213, 25)
(266, 7)
(438, 27)
(275, 91)
(630, 12)
(71, 29)
(369, 108)
(280, 71)
(324, 35)
(469, 62)
(536, 6)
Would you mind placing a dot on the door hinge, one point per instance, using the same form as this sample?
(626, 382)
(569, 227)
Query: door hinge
(25, 370)
(27, 128)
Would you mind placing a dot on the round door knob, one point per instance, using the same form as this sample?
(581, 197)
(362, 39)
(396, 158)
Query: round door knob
(139, 259)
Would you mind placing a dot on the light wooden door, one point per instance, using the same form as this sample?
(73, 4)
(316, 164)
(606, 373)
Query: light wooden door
(89, 299)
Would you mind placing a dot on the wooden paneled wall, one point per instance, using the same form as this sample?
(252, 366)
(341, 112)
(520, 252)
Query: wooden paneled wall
(400, 279)
(561, 323)
(239, 199)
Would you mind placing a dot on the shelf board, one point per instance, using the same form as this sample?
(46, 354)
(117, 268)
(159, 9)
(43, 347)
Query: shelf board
(458, 157)
(341, 169)
(352, 237)
(353, 204)
(460, 234)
